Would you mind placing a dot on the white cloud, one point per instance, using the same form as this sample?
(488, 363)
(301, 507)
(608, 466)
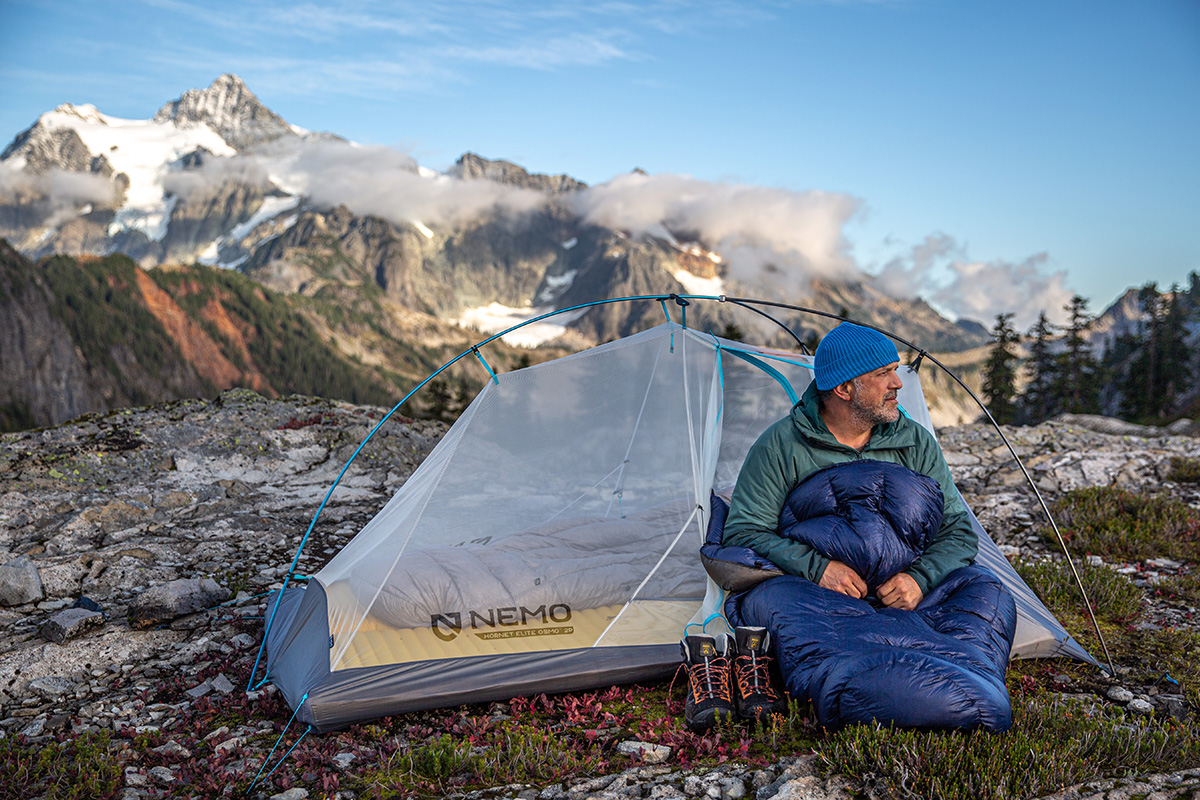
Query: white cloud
(56, 194)
(213, 172)
(769, 237)
(382, 181)
(940, 270)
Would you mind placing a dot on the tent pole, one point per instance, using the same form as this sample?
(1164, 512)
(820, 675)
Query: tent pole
(760, 312)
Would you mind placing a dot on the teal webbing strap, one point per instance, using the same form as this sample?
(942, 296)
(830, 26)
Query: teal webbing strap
(703, 625)
(486, 365)
(774, 373)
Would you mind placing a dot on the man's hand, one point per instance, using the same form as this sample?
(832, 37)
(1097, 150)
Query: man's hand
(900, 591)
(841, 578)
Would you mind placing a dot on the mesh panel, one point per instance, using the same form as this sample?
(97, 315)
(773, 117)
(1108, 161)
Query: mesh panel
(566, 487)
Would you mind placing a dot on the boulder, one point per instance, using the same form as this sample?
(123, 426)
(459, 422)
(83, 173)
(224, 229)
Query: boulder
(20, 582)
(70, 623)
(175, 599)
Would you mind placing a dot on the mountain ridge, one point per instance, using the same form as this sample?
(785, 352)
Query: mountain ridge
(481, 247)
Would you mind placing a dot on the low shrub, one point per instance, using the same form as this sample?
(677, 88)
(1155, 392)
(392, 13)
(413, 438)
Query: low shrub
(1185, 587)
(1115, 523)
(1184, 470)
(1114, 598)
(78, 769)
(1052, 744)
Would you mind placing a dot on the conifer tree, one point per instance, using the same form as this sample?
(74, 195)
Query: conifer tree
(1176, 357)
(1142, 384)
(1161, 371)
(1000, 371)
(1038, 402)
(1077, 385)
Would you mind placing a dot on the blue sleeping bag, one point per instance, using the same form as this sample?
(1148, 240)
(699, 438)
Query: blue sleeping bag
(940, 666)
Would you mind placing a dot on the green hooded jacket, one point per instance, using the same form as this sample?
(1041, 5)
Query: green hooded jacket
(799, 445)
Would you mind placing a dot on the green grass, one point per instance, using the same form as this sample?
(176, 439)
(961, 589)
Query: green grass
(1052, 744)
(1118, 524)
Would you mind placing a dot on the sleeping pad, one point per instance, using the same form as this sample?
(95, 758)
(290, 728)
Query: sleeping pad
(940, 666)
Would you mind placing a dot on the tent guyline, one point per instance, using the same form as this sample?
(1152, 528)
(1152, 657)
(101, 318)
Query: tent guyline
(682, 301)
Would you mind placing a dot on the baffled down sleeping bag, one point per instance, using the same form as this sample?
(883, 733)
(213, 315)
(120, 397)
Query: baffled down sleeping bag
(940, 666)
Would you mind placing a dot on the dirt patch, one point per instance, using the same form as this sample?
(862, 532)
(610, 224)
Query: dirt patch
(193, 342)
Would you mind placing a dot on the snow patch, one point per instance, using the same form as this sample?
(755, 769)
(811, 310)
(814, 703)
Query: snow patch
(143, 150)
(237, 262)
(495, 317)
(272, 207)
(555, 285)
(694, 284)
(151, 219)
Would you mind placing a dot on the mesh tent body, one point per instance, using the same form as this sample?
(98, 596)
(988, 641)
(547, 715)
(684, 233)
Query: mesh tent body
(550, 540)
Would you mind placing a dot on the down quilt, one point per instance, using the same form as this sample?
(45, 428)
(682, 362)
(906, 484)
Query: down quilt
(939, 666)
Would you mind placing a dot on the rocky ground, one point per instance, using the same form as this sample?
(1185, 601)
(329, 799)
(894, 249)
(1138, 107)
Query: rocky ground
(120, 533)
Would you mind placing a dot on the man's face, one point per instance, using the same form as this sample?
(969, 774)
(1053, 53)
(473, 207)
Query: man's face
(873, 400)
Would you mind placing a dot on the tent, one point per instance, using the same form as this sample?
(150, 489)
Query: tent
(550, 540)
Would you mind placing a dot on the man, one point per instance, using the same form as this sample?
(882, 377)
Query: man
(849, 412)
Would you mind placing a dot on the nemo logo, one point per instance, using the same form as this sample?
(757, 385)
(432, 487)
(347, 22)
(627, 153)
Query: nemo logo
(446, 626)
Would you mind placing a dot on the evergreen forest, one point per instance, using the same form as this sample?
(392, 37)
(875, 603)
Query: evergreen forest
(1147, 373)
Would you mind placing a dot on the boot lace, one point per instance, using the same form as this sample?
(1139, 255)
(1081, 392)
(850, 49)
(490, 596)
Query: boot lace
(710, 678)
(753, 675)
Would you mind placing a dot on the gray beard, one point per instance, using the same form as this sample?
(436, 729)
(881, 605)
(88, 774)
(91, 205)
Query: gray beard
(870, 417)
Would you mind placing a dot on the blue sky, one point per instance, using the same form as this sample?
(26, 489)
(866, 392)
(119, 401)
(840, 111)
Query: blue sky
(1052, 145)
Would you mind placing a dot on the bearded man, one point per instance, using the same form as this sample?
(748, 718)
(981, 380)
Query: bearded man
(849, 412)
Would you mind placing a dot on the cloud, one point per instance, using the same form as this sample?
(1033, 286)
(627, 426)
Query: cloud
(940, 270)
(387, 48)
(769, 237)
(212, 173)
(384, 182)
(57, 195)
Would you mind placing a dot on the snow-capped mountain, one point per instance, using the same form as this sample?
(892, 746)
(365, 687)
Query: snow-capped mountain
(232, 111)
(81, 181)
(216, 177)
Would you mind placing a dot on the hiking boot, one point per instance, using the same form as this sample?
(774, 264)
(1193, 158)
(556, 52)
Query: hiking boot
(754, 696)
(708, 682)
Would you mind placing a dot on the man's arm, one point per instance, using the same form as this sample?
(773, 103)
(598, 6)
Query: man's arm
(762, 487)
(955, 544)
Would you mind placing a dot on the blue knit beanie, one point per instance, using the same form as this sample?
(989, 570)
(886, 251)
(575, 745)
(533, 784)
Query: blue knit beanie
(851, 350)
